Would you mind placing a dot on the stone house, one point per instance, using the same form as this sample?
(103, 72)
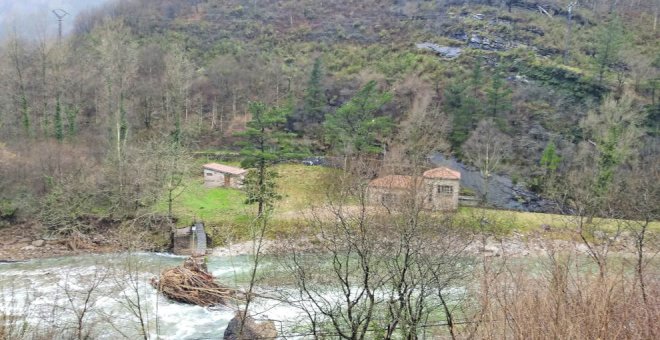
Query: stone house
(220, 175)
(438, 188)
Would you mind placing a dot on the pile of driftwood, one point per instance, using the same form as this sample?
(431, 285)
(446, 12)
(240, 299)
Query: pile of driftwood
(191, 283)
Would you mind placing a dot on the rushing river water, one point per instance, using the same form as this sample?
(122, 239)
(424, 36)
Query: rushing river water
(48, 294)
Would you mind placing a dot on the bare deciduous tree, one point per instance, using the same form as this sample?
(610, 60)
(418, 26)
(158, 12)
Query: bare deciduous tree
(487, 149)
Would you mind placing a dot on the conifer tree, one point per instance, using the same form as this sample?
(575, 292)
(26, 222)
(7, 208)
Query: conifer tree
(314, 97)
(498, 95)
(610, 40)
(59, 126)
(549, 159)
(354, 128)
(265, 143)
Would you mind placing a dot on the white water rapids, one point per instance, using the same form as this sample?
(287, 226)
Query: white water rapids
(48, 295)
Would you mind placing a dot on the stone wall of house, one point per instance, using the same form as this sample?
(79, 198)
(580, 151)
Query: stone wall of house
(442, 194)
(236, 181)
(379, 195)
(437, 195)
(215, 179)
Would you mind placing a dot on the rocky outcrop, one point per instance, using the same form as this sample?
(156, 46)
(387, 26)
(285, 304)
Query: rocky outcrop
(252, 329)
(443, 51)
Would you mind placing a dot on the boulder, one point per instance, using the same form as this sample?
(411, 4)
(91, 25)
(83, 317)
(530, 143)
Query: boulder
(444, 51)
(251, 329)
(38, 243)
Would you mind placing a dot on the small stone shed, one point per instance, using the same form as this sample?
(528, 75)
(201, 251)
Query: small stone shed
(220, 175)
(438, 188)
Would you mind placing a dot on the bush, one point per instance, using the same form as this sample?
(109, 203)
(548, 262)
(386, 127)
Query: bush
(7, 210)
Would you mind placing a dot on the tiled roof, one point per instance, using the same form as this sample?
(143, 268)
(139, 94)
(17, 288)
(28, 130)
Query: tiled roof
(226, 169)
(442, 173)
(392, 182)
(406, 182)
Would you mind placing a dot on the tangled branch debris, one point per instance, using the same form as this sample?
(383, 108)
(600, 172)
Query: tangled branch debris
(191, 283)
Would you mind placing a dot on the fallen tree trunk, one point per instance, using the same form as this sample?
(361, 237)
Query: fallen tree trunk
(191, 283)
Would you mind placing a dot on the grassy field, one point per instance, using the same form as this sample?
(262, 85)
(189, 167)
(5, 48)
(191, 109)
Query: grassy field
(224, 210)
(506, 221)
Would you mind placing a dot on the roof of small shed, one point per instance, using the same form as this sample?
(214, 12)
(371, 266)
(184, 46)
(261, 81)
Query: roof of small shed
(442, 173)
(226, 169)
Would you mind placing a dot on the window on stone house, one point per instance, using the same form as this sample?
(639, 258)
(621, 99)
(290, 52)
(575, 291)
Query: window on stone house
(445, 189)
(388, 199)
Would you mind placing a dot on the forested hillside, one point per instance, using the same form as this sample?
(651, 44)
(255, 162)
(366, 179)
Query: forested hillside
(342, 221)
(101, 122)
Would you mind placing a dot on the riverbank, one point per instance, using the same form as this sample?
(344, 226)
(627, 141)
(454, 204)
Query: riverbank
(516, 244)
(26, 241)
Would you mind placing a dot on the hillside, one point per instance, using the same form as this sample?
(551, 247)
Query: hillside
(408, 169)
(98, 111)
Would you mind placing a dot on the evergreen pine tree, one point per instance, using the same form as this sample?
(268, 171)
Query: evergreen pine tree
(550, 159)
(264, 143)
(354, 128)
(314, 103)
(498, 95)
(59, 126)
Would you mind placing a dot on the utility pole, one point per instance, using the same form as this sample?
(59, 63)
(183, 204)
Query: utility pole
(60, 14)
(569, 31)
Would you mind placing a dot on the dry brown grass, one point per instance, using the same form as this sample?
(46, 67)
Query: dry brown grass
(564, 301)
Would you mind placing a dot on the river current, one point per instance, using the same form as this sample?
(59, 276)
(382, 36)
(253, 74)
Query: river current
(49, 295)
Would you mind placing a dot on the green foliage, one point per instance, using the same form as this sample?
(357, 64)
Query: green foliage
(498, 94)
(610, 158)
(261, 188)
(7, 209)
(71, 114)
(550, 159)
(216, 205)
(456, 103)
(315, 101)
(59, 127)
(610, 39)
(354, 128)
(476, 78)
(265, 143)
(572, 82)
(616, 128)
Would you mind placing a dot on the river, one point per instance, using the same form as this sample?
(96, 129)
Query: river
(48, 294)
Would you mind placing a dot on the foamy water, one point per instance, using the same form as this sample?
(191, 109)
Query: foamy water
(50, 294)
